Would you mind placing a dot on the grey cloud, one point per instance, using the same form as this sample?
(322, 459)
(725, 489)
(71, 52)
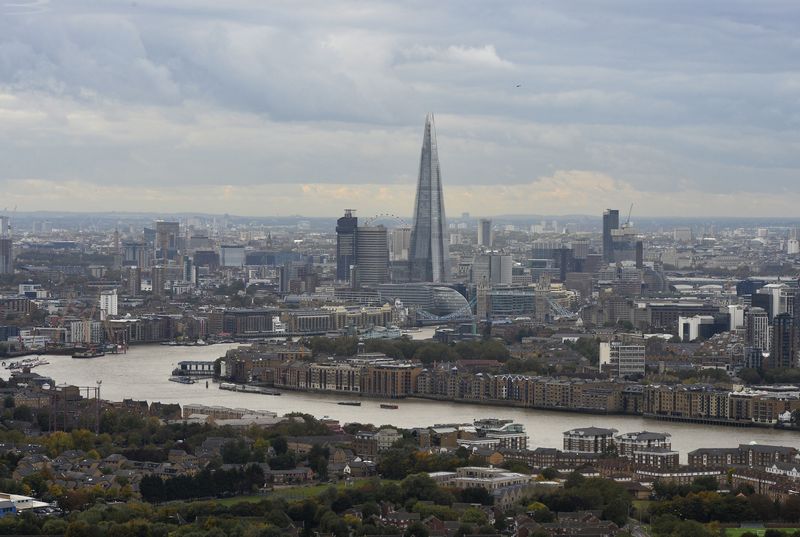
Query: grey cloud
(655, 94)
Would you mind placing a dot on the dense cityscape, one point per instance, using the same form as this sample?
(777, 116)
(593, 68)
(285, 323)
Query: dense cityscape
(233, 303)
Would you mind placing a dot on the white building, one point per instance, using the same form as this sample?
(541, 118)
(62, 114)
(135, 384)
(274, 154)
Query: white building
(689, 328)
(736, 311)
(108, 304)
(85, 332)
(622, 360)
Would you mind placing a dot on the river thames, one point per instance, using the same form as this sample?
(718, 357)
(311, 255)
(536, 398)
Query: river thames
(144, 371)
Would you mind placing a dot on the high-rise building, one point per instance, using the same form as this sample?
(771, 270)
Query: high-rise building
(6, 247)
(429, 255)
(485, 233)
(166, 243)
(108, 304)
(784, 342)
(757, 329)
(134, 281)
(400, 242)
(158, 280)
(372, 255)
(610, 222)
(345, 244)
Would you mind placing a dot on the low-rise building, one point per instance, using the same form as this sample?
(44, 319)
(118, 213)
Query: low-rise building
(589, 440)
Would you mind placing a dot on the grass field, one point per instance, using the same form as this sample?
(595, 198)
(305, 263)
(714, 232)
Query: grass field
(299, 492)
(736, 532)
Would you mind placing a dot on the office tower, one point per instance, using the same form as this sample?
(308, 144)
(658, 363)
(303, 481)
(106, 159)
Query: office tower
(485, 233)
(189, 273)
(501, 269)
(784, 342)
(580, 248)
(345, 244)
(108, 304)
(372, 255)
(6, 247)
(231, 256)
(166, 241)
(429, 255)
(757, 329)
(400, 242)
(610, 222)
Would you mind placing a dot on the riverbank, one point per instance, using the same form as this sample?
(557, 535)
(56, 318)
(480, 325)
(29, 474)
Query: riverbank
(143, 373)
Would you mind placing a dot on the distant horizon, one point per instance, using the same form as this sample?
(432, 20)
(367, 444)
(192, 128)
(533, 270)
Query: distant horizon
(189, 214)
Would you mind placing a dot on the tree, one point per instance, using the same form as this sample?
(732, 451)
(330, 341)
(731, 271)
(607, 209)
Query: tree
(280, 445)
(417, 529)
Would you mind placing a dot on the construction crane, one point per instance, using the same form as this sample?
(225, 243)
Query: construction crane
(628, 221)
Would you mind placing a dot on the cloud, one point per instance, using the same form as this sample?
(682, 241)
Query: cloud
(551, 100)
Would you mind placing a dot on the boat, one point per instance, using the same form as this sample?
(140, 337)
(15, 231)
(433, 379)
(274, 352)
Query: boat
(182, 380)
(349, 403)
(88, 353)
(389, 406)
(28, 363)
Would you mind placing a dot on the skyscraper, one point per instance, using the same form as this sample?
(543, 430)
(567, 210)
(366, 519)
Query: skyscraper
(610, 221)
(428, 255)
(6, 247)
(345, 244)
(784, 342)
(372, 255)
(485, 233)
(167, 234)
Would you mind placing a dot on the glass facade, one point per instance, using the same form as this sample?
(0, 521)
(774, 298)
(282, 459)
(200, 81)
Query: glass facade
(429, 250)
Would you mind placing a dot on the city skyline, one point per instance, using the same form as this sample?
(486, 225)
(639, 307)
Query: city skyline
(547, 109)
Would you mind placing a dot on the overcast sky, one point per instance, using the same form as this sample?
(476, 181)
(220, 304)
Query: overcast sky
(276, 108)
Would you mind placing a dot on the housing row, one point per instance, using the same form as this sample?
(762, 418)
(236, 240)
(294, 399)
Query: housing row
(374, 374)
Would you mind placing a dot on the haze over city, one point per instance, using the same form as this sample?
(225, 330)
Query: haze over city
(685, 108)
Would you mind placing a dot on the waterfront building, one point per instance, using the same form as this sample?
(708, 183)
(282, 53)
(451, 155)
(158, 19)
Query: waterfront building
(629, 443)
(589, 440)
(392, 380)
(196, 368)
(428, 254)
(108, 304)
(431, 303)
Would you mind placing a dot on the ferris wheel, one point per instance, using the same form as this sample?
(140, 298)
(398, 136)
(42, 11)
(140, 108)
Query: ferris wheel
(398, 221)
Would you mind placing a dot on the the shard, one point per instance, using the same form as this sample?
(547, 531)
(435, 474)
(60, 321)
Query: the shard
(428, 255)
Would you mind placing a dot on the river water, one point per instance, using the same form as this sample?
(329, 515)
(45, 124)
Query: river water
(143, 372)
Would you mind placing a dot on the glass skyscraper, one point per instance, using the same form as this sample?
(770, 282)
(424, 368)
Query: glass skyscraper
(428, 253)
